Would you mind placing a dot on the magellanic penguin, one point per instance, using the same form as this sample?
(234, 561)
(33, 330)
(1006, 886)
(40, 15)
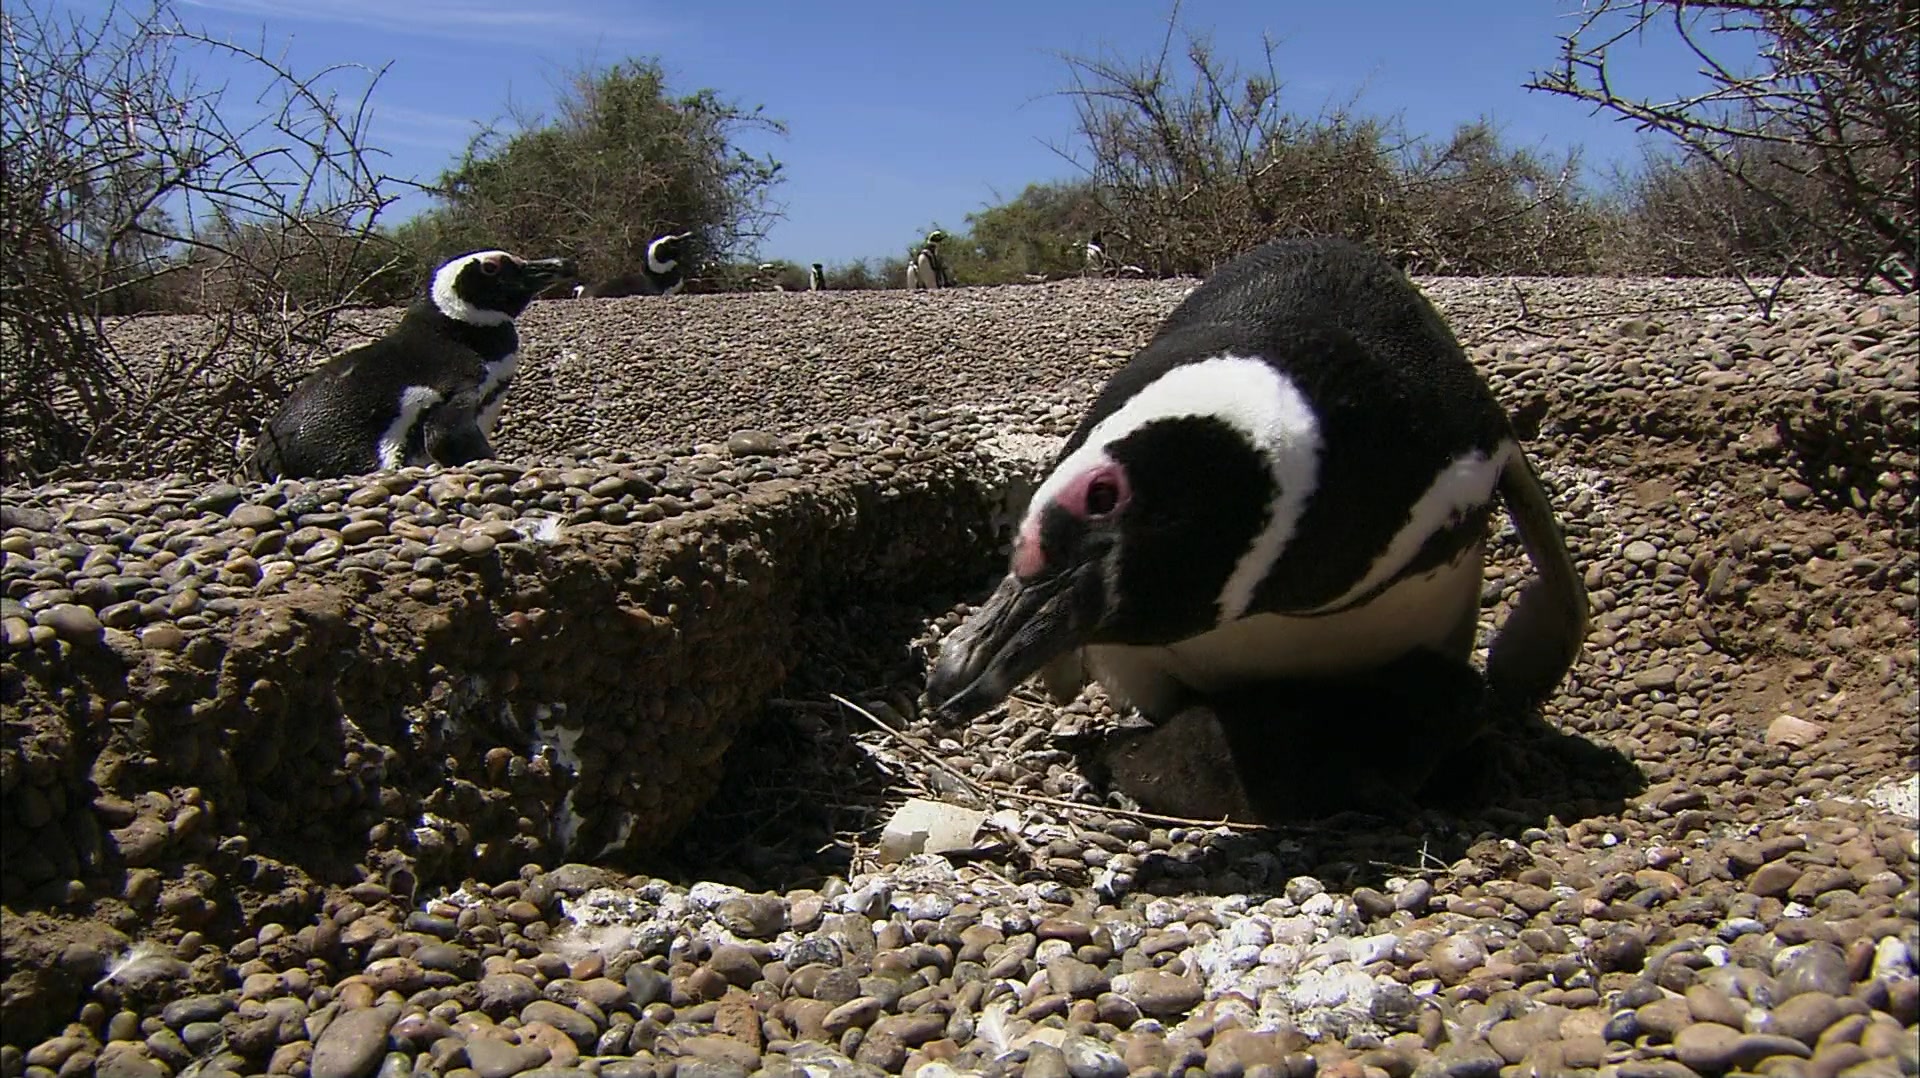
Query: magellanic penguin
(664, 274)
(430, 391)
(816, 277)
(1289, 486)
(1096, 255)
(928, 269)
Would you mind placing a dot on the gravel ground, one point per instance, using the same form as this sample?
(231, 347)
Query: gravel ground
(1702, 862)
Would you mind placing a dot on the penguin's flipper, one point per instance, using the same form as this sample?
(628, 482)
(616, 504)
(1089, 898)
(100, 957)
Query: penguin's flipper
(1542, 637)
(452, 433)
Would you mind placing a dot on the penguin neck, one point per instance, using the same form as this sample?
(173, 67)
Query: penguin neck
(493, 342)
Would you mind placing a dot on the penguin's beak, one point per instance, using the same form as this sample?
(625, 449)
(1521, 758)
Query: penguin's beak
(545, 271)
(1018, 630)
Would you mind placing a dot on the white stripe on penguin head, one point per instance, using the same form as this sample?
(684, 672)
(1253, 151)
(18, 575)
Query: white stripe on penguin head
(658, 264)
(449, 301)
(1254, 399)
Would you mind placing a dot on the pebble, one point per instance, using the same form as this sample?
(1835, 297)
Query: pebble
(353, 1043)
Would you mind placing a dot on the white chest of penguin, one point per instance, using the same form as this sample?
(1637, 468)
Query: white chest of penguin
(493, 389)
(1427, 611)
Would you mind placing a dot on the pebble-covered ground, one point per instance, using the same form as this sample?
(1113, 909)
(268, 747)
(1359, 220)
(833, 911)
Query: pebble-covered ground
(1701, 862)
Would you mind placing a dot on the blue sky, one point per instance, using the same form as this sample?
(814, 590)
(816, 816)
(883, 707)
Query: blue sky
(903, 114)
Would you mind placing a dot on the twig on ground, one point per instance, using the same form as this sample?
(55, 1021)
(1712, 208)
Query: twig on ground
(969, 784)
(989, 791)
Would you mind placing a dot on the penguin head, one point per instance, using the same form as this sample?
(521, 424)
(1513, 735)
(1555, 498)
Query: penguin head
(489, 288)
(936, 238)
(1156, 527)
(665, 252)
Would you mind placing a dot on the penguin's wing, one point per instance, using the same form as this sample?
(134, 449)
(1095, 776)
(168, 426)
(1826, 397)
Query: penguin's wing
(451, 430)
(1543, 634)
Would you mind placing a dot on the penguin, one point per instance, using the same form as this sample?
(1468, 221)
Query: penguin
(816, 277)
(1274, 516)
(579, 290)
(1096, 255)
(662, 275)
(928, 269)
(430, 391)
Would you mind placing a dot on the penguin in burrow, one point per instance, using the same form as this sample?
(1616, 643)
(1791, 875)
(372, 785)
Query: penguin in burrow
(1266, 536)
(429, 391)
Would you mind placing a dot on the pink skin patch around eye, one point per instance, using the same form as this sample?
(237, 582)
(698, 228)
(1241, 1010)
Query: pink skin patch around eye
(1029, 557)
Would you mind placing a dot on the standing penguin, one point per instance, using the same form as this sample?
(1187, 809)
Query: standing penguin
(664, 273)
(1274, 517)
(816, 277)
(1096, 255)
(430, 391)
(928, 269)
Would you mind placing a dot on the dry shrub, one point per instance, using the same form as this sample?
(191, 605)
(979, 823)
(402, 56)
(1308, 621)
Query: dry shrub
(1805, 160)
(622, 162)
(127, 182)
(1195, 162)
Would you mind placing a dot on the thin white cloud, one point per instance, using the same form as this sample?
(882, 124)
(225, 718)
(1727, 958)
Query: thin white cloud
(424, 120)
(490, 20)
(399, 125)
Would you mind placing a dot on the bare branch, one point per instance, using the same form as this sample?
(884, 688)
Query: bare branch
(1816, 152)
(129, 187)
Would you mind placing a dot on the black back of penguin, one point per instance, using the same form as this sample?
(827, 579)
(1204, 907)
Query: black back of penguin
(1395, 398)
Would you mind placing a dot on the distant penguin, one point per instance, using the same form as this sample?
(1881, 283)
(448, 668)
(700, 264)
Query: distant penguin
(1276, 513)
(664, 273)
(928, 269)
(1096, 255)
(816, 278)
(579, 290)
(430, 391)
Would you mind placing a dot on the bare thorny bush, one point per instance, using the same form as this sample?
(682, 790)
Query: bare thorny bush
(1810, 163)
(1197, 163)
(129, 185)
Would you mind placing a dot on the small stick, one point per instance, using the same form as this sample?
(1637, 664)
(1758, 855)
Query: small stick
(970, 785)
(988, 791)
(1132, 814)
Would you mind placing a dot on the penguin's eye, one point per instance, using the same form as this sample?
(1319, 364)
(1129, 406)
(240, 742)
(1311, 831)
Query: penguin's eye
(1096, 494)
(490, 267)
(1103, 496)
